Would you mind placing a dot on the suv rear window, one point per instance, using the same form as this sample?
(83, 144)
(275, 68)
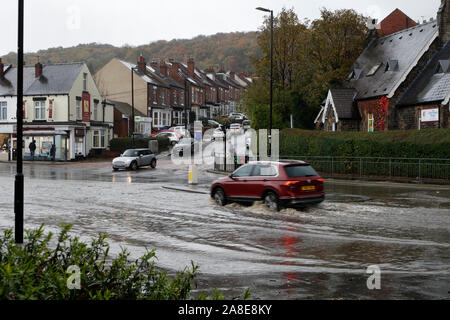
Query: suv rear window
(300, 171)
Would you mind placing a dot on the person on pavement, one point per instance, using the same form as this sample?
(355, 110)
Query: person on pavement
(32, 148)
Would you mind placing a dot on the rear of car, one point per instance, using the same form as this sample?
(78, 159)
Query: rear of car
(300, 184)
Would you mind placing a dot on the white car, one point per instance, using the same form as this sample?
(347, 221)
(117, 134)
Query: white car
(181, 130)
(173, 137)
(133, 159)
(235, 128)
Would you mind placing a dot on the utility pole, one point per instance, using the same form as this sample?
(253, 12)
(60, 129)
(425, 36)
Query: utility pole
(132, 107)
(269, 152)
(19, 183)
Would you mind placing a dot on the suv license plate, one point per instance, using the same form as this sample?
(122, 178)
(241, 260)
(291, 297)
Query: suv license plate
(307, 188)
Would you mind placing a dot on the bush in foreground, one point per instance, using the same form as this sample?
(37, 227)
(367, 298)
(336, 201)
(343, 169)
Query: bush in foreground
(35, 271)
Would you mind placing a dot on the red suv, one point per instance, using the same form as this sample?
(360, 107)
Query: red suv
(278, 184)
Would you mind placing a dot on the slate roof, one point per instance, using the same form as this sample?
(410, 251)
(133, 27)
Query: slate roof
(403, 48)
(55, 79)
(125, 108)
(146, 76)
(343, 102)
(432, 84)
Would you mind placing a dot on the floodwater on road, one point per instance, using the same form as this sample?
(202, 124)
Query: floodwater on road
(319, 252)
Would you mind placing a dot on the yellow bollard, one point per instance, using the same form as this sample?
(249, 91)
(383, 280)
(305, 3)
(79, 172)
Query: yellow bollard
(193, 174)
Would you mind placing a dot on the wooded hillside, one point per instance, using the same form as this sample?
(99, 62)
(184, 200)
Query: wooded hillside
(231, 50)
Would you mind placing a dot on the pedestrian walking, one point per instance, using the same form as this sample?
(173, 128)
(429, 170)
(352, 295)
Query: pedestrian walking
(52, 152)
(32, 148)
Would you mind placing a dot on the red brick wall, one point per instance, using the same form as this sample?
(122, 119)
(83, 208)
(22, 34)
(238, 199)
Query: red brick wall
(396, 21)
(370, 106)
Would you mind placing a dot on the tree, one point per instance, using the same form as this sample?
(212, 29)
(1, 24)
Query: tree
(308, 59)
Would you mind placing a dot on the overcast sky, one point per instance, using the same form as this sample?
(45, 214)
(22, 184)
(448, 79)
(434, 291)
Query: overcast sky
(54, 23)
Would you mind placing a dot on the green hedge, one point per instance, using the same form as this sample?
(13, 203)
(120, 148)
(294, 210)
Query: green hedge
(121, 144)
(429, 143)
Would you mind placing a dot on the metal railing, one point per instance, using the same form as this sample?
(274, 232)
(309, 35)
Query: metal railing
(390, 168)
(415, 168)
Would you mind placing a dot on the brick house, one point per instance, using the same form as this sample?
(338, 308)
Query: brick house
(394, 22)
(425, 103)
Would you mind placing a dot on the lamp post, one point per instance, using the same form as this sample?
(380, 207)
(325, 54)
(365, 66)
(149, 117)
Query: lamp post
(271, 75)
(132, 106)
(18, 183)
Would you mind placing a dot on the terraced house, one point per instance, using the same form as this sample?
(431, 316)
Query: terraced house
(61, 107)
(170, 92)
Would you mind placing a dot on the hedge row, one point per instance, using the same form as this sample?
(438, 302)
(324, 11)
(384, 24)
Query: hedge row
(121, 144)
(430, 143)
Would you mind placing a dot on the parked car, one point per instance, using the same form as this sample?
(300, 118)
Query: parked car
(172, 135)
(236, 116)
(213, 123)
(133, 159)
(278, 184)
(181, 130)
(236, 128)
(183, 146)
(246, 124)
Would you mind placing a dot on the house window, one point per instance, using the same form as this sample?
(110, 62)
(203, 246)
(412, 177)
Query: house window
(156, 118)
(175, 98)
(95, 111)
(84, 81)
(163, 97)
(78, 106)
(3, 110)
(374, 69)
(192, 95)
(182, 98)
(155, 92)
(98, 139)
(39, 110)
(370, 122)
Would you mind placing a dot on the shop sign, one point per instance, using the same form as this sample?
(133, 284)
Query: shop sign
(86, 103)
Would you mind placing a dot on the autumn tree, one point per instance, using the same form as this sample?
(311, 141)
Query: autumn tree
(308, 59)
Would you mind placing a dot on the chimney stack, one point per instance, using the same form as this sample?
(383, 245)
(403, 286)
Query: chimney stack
(163, 68)
(443, 18)
(154, 65)
(38, 69)
(1, 68)
(190, 64)
(141, 64)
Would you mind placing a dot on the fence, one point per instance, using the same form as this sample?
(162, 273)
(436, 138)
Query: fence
(415, 168)
(389, 168)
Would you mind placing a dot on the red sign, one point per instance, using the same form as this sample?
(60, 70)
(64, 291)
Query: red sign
(86, 105)
(50, 109)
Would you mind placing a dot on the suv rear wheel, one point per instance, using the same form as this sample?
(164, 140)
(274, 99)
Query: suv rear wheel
(271, 201)
(153, 163)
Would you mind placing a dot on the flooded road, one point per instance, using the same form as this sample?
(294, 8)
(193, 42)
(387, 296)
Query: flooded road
(320, 252)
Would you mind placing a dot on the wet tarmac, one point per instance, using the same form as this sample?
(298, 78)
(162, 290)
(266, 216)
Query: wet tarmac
(321, 252)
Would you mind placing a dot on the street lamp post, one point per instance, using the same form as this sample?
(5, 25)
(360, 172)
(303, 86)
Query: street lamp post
(271, 75)
(132, 106)
(19, 183)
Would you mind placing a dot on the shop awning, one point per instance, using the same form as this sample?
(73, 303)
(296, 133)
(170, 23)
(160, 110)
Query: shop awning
(40, 133)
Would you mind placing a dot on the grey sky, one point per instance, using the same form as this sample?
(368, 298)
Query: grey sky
(54, 23)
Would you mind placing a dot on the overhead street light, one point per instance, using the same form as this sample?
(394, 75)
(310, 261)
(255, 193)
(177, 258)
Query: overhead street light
(271, 75)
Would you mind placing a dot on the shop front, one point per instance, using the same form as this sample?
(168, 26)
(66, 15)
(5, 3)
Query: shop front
(44, 139)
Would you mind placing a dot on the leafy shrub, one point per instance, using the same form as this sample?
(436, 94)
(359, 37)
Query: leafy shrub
(35, 271)
(121, 144)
